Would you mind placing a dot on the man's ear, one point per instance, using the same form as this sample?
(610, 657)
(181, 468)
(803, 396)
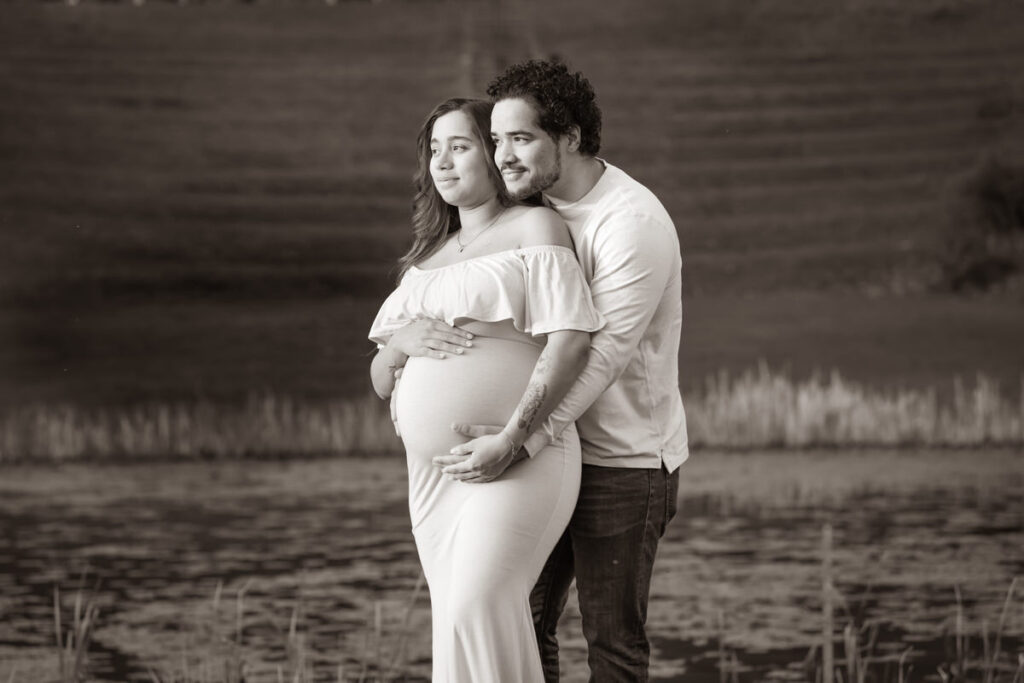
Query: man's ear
(572, 139)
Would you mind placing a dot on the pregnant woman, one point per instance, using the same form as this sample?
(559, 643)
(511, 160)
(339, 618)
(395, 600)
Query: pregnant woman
(490, 324)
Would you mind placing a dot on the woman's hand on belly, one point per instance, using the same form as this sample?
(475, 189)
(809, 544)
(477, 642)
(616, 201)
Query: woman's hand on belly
(429, 337)
(482, 460)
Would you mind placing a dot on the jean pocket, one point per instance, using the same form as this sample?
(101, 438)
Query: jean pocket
(612, 501)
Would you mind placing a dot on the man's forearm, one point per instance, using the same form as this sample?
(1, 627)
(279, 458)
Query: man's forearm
(553, 376)
(597, 375)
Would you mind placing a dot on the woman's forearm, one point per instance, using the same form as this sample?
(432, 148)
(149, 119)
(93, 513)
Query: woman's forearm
(561, 361)
(382, 370)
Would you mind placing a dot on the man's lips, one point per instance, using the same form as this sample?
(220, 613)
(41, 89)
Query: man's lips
(512, 171)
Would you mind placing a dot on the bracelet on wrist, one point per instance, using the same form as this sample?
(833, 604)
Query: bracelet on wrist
(511, 441)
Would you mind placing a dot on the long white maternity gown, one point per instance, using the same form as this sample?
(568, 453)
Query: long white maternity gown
(483, 546)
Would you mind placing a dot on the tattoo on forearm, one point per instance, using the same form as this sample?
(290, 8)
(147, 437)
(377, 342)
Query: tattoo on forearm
(532, 401)
(535, 394)
(542, 363)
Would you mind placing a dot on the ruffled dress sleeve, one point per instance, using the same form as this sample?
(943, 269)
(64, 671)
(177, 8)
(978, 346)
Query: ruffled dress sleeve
(557, 294)
(541, 289)
(396, 311)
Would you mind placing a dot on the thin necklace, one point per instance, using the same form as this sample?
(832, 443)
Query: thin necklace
(490, 225)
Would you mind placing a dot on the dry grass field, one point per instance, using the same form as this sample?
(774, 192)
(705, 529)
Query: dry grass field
(203, 201)
(757, 409)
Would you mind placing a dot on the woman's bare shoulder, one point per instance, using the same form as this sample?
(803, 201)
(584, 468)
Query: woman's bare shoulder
(539, 225)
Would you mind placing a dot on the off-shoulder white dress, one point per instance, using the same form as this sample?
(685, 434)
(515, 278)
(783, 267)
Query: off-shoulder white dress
(483, 546)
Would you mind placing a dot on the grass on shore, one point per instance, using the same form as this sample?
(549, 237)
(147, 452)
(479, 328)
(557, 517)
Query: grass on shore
(215, 650)
(850, 653)
(859, 659)
(266, 425)
(758, 409)
(761, 408)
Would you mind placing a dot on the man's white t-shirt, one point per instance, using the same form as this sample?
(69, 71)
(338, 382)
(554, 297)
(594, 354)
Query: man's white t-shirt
(626, 402)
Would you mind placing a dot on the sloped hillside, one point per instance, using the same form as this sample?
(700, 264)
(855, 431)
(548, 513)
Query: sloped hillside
(208, 198)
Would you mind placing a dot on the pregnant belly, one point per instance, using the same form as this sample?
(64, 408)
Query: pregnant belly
(483, 386)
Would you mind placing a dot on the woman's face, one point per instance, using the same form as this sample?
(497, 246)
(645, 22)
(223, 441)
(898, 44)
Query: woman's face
(458, 161)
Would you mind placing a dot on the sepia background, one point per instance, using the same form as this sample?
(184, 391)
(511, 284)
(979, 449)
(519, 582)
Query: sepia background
(201, 205)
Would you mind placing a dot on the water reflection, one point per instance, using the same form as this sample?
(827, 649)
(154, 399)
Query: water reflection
(739, 571)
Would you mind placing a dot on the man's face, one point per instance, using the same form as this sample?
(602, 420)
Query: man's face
(529, 160)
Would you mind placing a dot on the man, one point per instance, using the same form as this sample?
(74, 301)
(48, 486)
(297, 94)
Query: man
(626, 403)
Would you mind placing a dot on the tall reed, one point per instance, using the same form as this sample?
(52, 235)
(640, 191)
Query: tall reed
(762, 408)
(759, 408)
(215, 649)
(861, 662)
(265, 425)
(73, 645)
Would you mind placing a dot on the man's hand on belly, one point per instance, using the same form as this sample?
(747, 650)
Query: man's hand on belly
(481, 460)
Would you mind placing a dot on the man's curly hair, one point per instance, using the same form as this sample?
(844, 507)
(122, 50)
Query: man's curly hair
(562, 99)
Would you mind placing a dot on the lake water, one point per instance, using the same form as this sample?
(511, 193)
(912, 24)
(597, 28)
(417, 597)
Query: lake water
(739, 572)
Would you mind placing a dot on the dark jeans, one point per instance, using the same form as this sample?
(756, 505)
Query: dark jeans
(609, 547)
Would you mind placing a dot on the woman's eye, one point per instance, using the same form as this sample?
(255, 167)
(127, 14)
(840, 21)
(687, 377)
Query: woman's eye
(458, 147)
(433, 152)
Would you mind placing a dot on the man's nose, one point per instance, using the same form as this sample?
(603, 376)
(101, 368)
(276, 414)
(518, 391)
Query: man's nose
(503, 153)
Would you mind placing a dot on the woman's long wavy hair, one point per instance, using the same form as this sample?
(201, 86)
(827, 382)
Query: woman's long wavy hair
(433, 219)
